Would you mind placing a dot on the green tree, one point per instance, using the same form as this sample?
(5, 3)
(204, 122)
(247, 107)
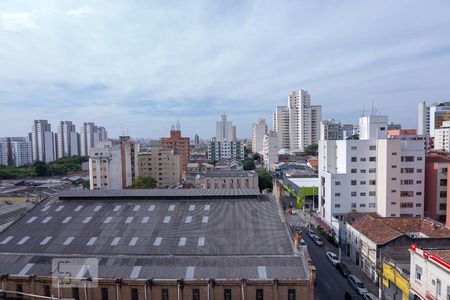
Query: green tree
(353, 137)
(311, 149)
(86, 184)
(249, 164)
(257, 157)
(40, 168)
(264, 180)
(144, 182)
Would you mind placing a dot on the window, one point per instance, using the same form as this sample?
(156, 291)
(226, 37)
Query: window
(76, 293)
(19, 289)
(407, 182)
(393, 215)
(372, 193)
(407, 170)
(291, 294)
(418, 204)
(443, 182)
(353, 182)
(362, 171)
(393, 191)
(394, 167)
(407, 158)
(164, 294)
(419, 170)
(372, 182)
(438, 286)
(362, 205)
(337, 205)
(337, 194)
(47, 292)
(134, 294)
(104, 293)
(406, 205)
(354, 159)
(337, 183)
(418, 193)
(353, 194)
(372, 147)
(393, 178)
(393, 203)
(394, 153)
(372, 205)
(443, 194)
(372, 158)
(259, 294)
(195, 294)
(362, 159)
(372, 170)
(406, 193)
(227, 294)
(442, 206)
(362, 182)
(353, 205)
(362, 194)
(354, 148)
(419, 181)
(419, 158)
(353, 170)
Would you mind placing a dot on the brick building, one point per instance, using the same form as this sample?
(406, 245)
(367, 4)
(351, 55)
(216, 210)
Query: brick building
(180, 145)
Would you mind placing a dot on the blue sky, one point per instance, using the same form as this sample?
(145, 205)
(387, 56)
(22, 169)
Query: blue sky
(142, 65)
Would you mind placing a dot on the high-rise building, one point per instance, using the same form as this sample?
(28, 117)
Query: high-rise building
(441, 137)
(379, 173)
(90, 135)
(15, 151)
(271, 147)
(112, 164)
(259, 129)
(162, 165)
(67, 139)
(42, 141)
(281, 126)
(179, 145)
(331, 130)
(227, 150)
(304, 120)
(224, 130)
(432, 117)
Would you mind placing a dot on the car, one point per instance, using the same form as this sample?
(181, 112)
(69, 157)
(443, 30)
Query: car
(357, 284)
(342, 268)
(333, 258)
(310, 232)
(318, 241)
(369, 296)
(351, 296)
(303, 244)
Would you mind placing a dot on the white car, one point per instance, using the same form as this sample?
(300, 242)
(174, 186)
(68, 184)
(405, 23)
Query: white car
(357, 284)
(333, 258)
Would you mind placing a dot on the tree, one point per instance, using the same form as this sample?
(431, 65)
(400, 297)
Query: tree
(86, 184)
(353, 137)
(257, 157)
(264, 180)
(312, 149)
(40, 168)
(144, 182)
(249, 164)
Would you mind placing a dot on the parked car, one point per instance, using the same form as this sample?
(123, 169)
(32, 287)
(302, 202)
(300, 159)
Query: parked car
(333, 258)
(342, 268)
(303, 244)
(352, 296)
(310, 233)
(370, 296)
(357, 284)
(318, 241)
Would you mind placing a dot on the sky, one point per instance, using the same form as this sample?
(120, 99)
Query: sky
(138, 66)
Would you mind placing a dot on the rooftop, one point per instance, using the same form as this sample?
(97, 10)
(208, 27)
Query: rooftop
(230, 173)
(168, 233)
(383, 230)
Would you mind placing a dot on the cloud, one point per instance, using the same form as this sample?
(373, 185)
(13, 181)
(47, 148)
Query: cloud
(17, 21)
(80, 11)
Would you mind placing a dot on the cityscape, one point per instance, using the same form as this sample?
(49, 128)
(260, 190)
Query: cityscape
(204, 197)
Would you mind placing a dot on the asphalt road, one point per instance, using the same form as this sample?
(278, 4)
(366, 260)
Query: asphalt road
(330, 283)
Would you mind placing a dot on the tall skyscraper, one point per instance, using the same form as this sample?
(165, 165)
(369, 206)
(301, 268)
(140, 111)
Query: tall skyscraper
(42, 141)
(281, 126)
(224, 130)
(304, 120)
(90, 135)
(67, 140)
(259, 129)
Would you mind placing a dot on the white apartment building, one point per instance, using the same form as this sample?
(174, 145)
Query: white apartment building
(331, 130)
(67, 139)
(432, 117)
(281, 125)
(42, 141)
(90, 135)
(225, 130)
(429, 273)
(218, 150)
(259, 130)
(112, 165)
(271, 147)
(15, 151)
(441, 137)
(304, 120)
(375, 174)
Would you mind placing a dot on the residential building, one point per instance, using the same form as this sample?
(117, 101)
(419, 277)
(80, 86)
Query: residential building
(112, 165)
(437, 196)
(348, 130)
(224, 130)
(179, 145)
(430, 272)
(432, 117)
(281, 125)
(90, 135)
(196, 139)
(191, 243)
(442, 137)
(42, 141)
(371, 238)
(331, 130)
(15, 151)
(375, 174)
(304, 120)
(270, 150)
(162, 165)
(259, 129)
(67, 139)
(229, 179)
(227, 150)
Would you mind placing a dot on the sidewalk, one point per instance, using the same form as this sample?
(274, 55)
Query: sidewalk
(354, 269)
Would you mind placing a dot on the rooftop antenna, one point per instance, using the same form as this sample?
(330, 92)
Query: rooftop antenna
(178, 126)
(373, 108)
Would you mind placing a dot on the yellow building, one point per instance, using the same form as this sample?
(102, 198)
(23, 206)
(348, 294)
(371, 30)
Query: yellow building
(396, 280)
(163, 165)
